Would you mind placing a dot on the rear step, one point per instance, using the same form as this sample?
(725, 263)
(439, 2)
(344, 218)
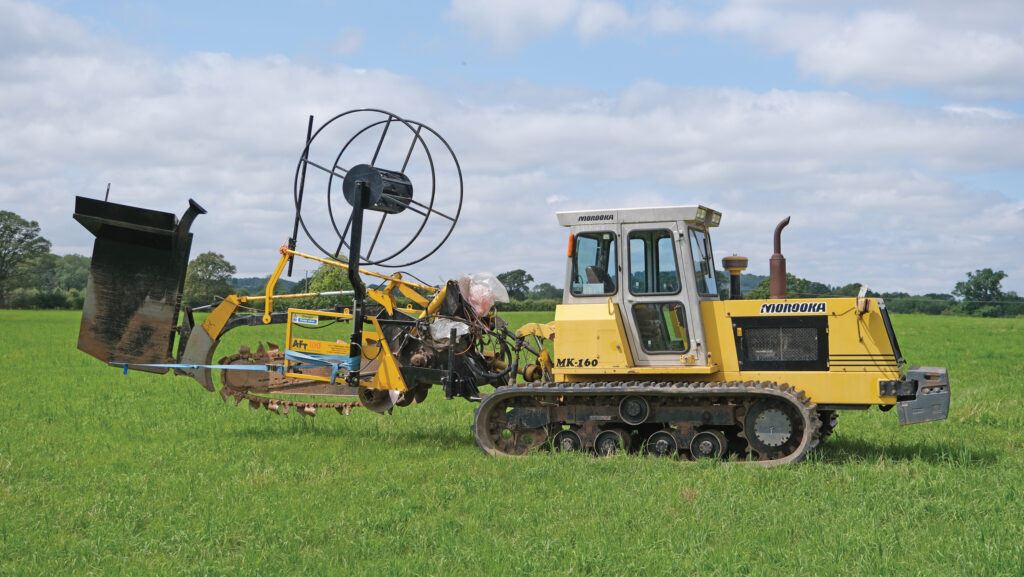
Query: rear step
(135, 281)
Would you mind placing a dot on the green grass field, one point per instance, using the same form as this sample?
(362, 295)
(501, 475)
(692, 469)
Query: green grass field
(146, 474)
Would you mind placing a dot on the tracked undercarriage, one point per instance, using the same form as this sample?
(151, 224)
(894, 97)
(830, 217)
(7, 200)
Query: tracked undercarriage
(768, 423)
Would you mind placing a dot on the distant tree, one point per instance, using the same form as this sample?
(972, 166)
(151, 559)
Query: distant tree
(19, 242)
(545, 291)
(517, 283)
(327, 278)
(207, 277)
(38, 272)
(300, 287)
(795, 288)
(724, 282)
(982, 293)
(1014, 306)
(847, 290)
(73, 271)
(50, 272)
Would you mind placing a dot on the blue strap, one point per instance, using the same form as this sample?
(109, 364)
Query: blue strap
(336, 362)
(126, 366)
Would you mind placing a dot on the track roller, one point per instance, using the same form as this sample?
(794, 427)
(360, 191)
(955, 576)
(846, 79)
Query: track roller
(661, 444)
(568, 440)
(709, 444)
(612, 441)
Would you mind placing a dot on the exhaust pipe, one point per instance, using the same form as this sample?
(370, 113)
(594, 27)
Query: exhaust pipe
(777, 266)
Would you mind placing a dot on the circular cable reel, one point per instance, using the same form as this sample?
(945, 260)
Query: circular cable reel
(411, 178)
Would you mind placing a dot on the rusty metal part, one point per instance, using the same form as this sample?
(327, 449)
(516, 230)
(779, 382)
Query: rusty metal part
(135, 281)
(378, 400)
(777, 266)
(508, 436)
(532, 372)
(255, 386)
(711, 413)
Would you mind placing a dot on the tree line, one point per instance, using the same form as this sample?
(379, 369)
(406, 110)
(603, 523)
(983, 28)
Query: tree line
(31, 277)
(981, 295)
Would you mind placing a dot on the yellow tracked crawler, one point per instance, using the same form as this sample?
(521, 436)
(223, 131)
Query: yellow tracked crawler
(646, 356)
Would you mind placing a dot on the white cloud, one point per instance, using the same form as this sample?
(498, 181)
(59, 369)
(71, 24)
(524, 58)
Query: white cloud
(877, 193)
(895, 43)
(980, 112)
(350, 41)
(508, 24)
(600, 17)
(666, 18)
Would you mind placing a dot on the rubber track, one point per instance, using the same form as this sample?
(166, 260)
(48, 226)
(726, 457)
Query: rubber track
(745, 390)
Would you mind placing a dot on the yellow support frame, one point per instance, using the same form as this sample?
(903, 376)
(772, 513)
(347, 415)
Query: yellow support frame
(375, 346)
(384, 297)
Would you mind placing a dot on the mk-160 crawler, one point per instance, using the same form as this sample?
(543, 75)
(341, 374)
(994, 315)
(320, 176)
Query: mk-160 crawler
(642, 356)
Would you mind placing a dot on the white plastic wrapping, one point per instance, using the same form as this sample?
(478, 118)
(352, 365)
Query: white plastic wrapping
(481, 290)
(441, 329)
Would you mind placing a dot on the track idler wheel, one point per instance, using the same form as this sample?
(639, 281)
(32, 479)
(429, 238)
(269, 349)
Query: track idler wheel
(708, 445)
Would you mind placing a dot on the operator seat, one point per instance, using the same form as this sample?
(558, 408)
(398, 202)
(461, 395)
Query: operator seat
(597, 275)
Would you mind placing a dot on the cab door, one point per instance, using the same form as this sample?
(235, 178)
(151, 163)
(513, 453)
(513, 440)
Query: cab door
(655, 299)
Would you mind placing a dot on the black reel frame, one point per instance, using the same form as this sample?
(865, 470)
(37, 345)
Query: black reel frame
(368, 187)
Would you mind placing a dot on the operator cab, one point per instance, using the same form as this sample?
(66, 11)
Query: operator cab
(655, 266)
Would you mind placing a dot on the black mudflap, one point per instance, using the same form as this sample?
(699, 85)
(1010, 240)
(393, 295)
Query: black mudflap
(135, 281)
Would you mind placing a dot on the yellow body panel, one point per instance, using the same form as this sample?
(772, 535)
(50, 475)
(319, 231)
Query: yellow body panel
(591, 344)
(851, 335)
(590, 336)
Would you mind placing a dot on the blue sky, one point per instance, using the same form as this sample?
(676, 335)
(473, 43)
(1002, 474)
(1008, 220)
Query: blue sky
(890, 131)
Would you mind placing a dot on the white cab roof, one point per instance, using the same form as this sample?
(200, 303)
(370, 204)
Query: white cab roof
(633, 215)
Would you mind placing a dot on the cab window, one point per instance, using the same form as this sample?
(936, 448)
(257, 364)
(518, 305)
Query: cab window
(661, 327)
(652, 262)
(703, 267)
(594, 269)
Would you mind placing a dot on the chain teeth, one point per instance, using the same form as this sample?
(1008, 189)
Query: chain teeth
(281, 407)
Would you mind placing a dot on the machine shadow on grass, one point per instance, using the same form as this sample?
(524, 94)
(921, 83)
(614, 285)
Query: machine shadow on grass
(837, 451)
(431, 436)
(841, 451)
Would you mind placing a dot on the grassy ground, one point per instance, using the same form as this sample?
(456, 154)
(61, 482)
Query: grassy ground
(140, 474)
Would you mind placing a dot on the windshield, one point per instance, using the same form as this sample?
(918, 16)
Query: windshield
(594, 271)
(703, 263)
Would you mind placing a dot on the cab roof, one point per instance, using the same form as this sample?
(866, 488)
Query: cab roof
(690, 213)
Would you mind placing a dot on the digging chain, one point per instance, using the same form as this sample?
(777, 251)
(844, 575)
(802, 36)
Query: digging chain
(276, 405)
